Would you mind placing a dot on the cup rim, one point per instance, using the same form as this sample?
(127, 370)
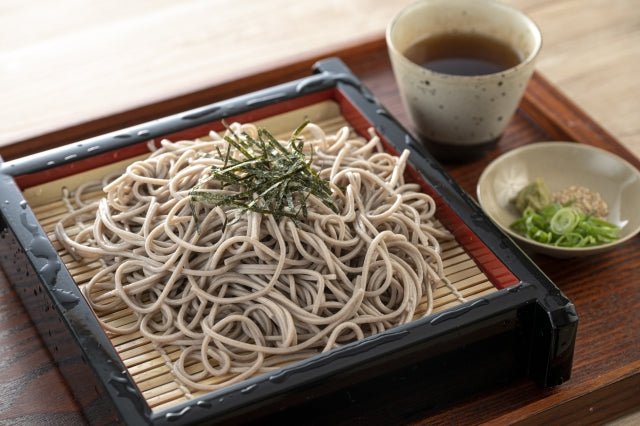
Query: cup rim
(526, 61)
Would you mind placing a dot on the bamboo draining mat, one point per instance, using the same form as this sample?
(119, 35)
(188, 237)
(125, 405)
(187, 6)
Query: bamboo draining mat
(150, 366)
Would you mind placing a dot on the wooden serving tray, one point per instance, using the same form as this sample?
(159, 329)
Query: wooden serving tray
(606, 372)
(507, 319)
(606, 375)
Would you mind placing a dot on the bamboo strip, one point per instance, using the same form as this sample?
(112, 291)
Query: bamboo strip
(149, 366)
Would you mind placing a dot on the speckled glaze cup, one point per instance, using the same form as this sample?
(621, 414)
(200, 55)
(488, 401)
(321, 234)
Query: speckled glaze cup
(461, 117)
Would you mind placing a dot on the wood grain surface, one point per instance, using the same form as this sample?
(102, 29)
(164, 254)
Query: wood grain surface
(67, 63)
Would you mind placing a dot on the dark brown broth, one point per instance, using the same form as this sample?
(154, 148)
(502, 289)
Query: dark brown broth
(463, 54)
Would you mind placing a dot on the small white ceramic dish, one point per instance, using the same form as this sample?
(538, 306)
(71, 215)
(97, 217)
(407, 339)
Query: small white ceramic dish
(562, 164)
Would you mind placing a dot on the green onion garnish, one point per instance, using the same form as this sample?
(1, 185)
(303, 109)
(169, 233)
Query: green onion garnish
(564, 226)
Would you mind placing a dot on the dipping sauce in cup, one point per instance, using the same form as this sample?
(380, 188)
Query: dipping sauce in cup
(462, 67)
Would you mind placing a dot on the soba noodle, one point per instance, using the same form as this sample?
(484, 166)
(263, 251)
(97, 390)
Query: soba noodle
(255, 294)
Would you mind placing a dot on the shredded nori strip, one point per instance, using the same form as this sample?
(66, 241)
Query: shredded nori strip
(267, 177)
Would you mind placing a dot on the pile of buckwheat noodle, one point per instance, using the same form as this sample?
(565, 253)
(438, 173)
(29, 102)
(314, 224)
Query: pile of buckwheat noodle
(259, 293)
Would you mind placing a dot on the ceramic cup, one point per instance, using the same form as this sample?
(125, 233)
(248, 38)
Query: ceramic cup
(461, 117)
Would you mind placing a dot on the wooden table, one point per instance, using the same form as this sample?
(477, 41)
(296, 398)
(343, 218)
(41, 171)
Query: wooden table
(606, 377)
(67, 63)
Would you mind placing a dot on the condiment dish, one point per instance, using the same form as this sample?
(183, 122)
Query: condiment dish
(562, 164)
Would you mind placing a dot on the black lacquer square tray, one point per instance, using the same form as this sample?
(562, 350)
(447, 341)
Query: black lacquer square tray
(515, 322)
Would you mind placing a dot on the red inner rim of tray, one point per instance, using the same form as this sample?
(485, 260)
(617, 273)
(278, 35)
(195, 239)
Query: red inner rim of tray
(499, 275)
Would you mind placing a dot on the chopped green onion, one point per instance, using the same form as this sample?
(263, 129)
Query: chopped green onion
(564, 220)
(564, 226)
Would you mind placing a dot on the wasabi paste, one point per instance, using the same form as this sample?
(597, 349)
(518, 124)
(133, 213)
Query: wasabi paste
(536, 195)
